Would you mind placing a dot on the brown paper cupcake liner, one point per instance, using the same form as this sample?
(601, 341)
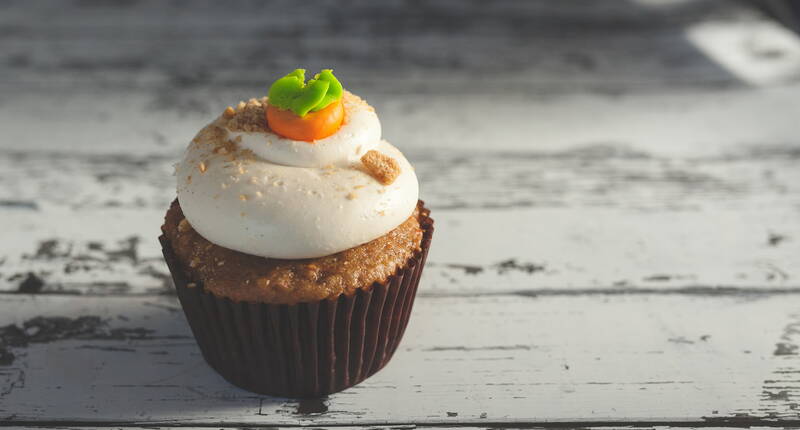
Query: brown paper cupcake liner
(306, 349)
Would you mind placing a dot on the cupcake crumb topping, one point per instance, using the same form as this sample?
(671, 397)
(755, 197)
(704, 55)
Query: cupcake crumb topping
(234, 182)
(249, 116)
(383, 168)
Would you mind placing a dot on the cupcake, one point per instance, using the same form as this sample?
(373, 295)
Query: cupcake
(297, 240)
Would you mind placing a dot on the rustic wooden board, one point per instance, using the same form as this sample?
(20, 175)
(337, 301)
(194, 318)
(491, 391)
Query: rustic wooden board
(590, 209)
(518, 44)
(501, 359)
(478, 176)
(529, 426)
(114, 251)
(674, 123)
(617, 236)
(602, 218)
(705, 165)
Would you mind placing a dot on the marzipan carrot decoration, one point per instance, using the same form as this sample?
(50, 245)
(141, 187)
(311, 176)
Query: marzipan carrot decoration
(305, 111)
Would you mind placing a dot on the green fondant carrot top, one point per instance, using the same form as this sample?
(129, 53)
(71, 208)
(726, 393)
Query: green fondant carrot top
(291, 92)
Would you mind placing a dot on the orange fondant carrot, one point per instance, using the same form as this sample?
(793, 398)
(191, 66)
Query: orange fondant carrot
(313, 126)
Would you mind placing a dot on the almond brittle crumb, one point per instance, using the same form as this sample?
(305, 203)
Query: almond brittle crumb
(249, 116)
(351, 196)
(229, 113)
(383, 168)
(225, 148)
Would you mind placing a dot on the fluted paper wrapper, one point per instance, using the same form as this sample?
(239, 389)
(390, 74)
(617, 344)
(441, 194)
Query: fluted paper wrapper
(307, 349)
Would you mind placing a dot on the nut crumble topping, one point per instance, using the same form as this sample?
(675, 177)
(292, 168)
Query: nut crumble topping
(383, 168)
(250, 116)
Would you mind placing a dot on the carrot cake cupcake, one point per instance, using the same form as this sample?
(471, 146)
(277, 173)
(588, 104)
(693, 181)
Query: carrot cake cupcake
(297, 240)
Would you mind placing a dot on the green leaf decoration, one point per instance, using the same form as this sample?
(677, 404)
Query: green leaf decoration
(293, 93)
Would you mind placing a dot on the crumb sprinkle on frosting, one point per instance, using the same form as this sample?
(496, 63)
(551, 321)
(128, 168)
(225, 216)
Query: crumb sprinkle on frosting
(240, 173)
(249, 116)
(383, 168)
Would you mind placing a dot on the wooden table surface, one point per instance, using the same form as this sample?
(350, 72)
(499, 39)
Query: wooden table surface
(615, 184)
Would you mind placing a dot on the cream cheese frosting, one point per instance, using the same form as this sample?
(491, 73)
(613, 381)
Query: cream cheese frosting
(359, 134)
(262, 194)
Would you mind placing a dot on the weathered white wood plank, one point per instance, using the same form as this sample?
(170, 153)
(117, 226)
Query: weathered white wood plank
(590, 175)
(601, 204)
(660, 122)
(522, 251)
(223, 427)
(492, 359)
(518, 44)
(71, 426)
(648, 159)
(528, 426)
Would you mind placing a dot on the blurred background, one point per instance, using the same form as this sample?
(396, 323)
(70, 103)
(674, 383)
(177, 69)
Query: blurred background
(106, 61)
(398, 46)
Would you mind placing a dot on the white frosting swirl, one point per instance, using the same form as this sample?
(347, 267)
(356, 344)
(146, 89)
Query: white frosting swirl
(360, 132)
(262, 202)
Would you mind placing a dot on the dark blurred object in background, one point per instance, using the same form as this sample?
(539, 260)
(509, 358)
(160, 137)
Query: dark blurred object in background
(785, 11)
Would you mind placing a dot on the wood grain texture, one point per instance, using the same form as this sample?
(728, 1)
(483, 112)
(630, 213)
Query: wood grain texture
(391, 427)
(600, 217)
(555, 48)
(603, 175)
(498, 359)
(741, 423)
(527, 251)
(605, 199)
(617, 208)
(680, 123)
